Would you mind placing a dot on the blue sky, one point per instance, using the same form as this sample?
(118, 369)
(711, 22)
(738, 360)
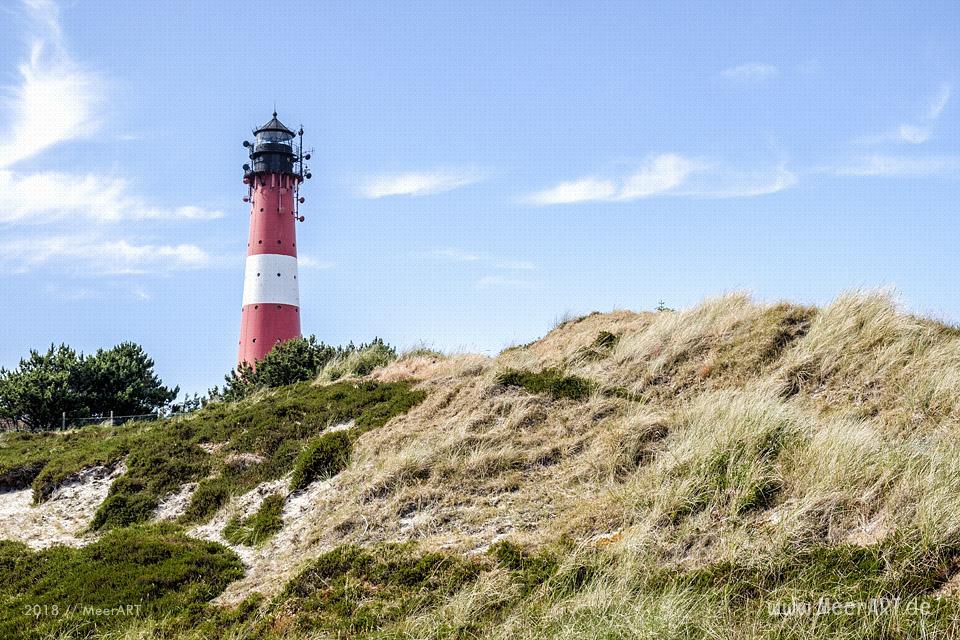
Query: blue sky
(479, 169)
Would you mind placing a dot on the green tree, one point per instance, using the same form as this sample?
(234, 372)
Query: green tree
(46, 385)
(122, 380)
(43, 387)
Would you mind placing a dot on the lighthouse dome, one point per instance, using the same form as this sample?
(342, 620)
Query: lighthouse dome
(274, 131)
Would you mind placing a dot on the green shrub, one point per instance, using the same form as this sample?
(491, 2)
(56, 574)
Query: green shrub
(259, 527)
(327, 456)
(552, 381)
(157, 571)
(529, 570)
(207, 498)
(352, 590)
(155, 468)
(304, 359)
(123, 509)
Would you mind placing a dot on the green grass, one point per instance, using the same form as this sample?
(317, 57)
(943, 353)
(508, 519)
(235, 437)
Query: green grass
(551, 381)
(259, 527)
(157, 569)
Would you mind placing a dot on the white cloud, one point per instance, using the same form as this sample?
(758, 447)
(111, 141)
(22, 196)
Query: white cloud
(752, 72)
(95, 255)
(660, 174)
(882, 165)
(56, 100)
(582, 190)
(38, 198)
(668, 175)
(939, 101)
(416, 184)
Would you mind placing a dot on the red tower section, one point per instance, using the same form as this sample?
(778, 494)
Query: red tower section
(271, 299)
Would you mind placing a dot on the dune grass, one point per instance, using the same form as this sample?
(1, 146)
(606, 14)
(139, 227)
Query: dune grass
(725, 471)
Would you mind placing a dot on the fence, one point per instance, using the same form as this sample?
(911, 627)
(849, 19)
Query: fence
(67, 422)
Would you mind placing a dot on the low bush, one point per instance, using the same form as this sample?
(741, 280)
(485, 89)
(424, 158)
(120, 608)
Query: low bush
(352, 591)
(327, 456)
(530, 570)
(155, 468)
(146, 571)
(207, 498)
(262, 438)
(258, 528)
(552, 381)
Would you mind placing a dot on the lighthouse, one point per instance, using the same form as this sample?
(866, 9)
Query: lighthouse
(271, 291)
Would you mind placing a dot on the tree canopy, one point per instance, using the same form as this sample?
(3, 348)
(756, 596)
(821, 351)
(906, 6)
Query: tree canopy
(46, 385)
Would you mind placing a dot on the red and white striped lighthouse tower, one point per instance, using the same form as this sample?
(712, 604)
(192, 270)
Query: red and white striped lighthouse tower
(271, 298)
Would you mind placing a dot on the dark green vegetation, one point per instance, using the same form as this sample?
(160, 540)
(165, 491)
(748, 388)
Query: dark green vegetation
(45, 459)
(352, 590)
(552, 381)
(259, 527)
(301, 360)
(324, 457)
(372, 592)
(46, 385)
(155, 571)
(254, 442)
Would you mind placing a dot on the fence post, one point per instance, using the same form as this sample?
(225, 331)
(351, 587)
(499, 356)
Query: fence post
(111, 417)
(63, 420)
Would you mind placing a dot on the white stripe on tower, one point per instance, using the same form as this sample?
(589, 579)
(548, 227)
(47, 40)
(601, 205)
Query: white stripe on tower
(271, 278)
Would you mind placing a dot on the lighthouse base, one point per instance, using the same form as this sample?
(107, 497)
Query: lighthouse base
(264, 325)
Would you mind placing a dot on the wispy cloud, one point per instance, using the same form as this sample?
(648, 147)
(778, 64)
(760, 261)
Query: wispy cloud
(884, 165)
(939, 101)
(748, 73)
(417, 184)
(56, 99)
(914, 133)
(37, 198)
(458, 255)
(96, 255)
(658, 174)
(731, 183)
(668, 175)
